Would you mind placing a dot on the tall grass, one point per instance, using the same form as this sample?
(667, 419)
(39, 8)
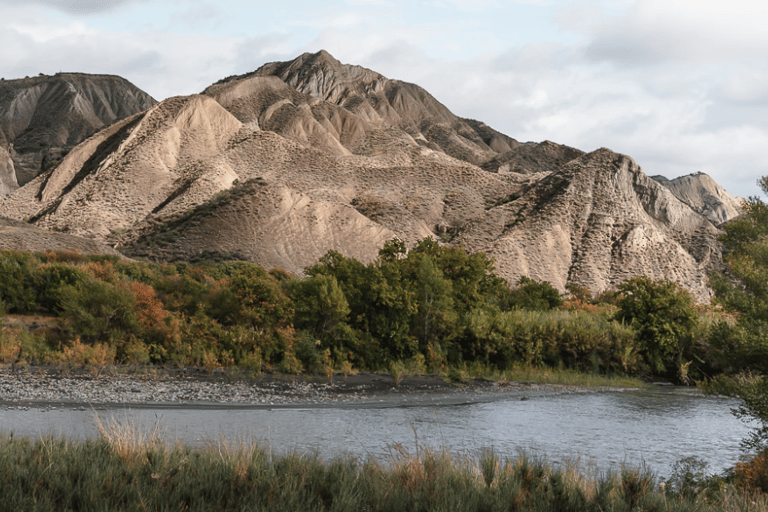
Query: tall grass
(569, 377)
(123, 470)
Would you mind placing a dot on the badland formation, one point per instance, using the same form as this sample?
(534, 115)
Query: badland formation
(283, 164)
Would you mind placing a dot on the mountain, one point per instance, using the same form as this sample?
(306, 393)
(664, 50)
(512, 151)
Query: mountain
(702, 194)
(283, 164)
(42, 118)
(596, 222)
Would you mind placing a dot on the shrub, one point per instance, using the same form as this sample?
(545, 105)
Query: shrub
(16, 289)
(753, 475)
(664, 316)
(48, 281)
(98, 311)
(534, 295)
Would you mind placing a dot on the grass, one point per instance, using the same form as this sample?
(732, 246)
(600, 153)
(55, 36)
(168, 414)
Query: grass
(571, 378)
(126, 470)
(546, 375)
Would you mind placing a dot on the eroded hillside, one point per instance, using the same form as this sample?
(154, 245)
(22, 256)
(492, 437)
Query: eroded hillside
(43, 117)
(283, 164)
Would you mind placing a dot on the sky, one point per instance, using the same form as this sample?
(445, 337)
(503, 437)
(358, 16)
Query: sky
(681, 86)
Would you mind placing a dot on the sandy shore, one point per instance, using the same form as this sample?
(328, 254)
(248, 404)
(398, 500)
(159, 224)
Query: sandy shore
(192, 387)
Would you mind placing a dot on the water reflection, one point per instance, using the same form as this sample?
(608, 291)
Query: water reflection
(657, 426)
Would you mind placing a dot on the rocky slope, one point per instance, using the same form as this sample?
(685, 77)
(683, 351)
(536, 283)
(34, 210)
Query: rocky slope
(19, 236)
(41, 118)
(596, 222)
(299, 157)
(702, 194)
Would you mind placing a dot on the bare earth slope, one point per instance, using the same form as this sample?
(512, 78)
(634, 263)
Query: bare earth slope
(702, 194)
(283, 164)
(20, 236)
(596, 222)
(44, 116)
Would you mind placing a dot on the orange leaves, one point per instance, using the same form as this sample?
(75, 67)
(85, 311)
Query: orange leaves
(753, 475)
(149, 309)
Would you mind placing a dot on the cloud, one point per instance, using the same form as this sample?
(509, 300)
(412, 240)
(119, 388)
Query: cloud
(679, 86)
(77, 6)
(652, 31)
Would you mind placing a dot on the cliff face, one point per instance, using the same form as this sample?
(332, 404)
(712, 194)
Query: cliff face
(297, 158)
(8, 181)
(41, 118)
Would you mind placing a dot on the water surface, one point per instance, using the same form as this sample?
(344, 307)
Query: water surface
(656, 427)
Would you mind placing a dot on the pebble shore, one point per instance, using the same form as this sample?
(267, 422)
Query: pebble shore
(162, 389)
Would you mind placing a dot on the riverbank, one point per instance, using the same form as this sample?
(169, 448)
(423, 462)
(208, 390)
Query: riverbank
(170, 387)
(123, 470)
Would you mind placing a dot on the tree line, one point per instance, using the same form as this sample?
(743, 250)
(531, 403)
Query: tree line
(433, 307)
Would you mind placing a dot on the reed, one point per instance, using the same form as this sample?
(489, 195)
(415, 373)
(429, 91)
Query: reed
(124, 469)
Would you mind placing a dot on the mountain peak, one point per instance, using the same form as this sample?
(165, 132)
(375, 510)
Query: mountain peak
(299, 157)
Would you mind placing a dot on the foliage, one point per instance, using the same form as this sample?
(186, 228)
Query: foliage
(665, 318)
(533, 295)
(97, 310)
(16, 290)
(126, 470)
(753, 475)
(743, 292)
(433, 304)
(553, 338)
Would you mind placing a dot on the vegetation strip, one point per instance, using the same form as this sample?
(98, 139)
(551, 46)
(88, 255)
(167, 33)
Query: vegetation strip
(126, 470)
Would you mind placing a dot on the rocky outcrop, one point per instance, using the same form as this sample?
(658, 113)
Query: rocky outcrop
(8, 181)
(596, 222)
(703, 195)
(41, 118)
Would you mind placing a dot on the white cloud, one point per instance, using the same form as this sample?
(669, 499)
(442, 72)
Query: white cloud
(678, 85)
(657, 30)
(76, 6)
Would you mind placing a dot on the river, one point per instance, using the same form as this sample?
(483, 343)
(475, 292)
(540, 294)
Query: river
(655, 427)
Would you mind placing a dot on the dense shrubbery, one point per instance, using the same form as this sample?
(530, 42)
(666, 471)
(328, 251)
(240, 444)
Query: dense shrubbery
(434, 307)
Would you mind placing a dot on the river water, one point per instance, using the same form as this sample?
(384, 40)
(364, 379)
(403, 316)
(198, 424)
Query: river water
(655, 427)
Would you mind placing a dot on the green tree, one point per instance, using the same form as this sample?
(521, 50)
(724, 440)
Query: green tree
(742, 291)
(435, 302)
(534, 296)
(98, 311)
(254, 298)
(16, 289)
(664, 317)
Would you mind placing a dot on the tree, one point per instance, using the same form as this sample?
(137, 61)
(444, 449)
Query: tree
(533, 295)
(98, 311)
(254, 298)
(743, 292)
(664, 316)
(435, 302)
(320, 305)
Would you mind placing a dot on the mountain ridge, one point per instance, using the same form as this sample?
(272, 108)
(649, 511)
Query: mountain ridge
(43, 117)
(280, 165)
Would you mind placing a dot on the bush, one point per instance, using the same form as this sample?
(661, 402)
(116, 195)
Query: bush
(16, 287)
(98, 311)
(664, 317)
(554, 338)
(48, 281)
(753, 475)
(533, 295)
